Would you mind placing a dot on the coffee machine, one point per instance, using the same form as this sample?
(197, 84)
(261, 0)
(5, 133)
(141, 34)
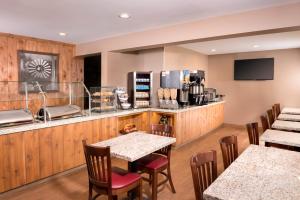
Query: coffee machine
(196, 89)
(183, 95)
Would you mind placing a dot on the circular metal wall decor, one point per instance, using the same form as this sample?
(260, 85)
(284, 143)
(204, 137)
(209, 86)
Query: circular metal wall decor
(40, 68)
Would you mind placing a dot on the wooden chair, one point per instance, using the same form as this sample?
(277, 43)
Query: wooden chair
(270, 117)
(158, 162)
(274, 112)
(277, 110)
(204, 171)
(264, 123)
(253, 133)
(229, 148)
(105, 181)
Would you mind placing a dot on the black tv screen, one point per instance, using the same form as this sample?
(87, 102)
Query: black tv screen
(254, 69)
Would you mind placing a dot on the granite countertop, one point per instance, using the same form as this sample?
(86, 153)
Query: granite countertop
(290, 110)
(94, 116)
(286, 125)
(280, 137)
(184, 109)
(135, 145)
(263, 173)
(289, 117)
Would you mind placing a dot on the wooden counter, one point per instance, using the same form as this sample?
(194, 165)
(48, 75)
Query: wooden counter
(192, 123)
(35, 154)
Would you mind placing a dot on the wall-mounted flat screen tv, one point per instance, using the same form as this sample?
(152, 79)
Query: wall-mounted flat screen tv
(254, 69)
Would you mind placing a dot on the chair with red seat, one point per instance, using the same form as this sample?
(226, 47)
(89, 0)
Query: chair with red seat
(105, 181)
(156, 163)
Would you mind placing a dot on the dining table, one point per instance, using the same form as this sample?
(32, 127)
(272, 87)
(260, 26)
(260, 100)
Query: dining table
(289, 117)
(263, 173)
(135, 145)
(291, 110)
(286, 125)
(286, 138)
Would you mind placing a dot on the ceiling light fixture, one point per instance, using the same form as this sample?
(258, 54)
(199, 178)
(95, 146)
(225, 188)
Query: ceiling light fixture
(256, 46)
(62, 34)
(213, 50)
(124, 15)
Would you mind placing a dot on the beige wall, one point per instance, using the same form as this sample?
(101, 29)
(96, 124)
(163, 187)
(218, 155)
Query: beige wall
(244, 22)
(119, 64)
(267, 19)
(176, 57)
(247, 100)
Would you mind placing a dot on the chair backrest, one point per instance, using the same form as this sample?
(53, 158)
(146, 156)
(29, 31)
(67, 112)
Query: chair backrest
(162, 130)
(229, 148)
(274, 112)
(98, 165)
(253, 133)
(264, 123)
(204, 171)
(270, 117)
(277, 109)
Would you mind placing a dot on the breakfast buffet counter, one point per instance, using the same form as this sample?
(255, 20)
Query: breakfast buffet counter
(35, 151)
(96, 116)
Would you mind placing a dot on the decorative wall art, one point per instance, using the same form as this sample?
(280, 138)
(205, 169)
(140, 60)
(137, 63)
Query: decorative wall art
(38, 67)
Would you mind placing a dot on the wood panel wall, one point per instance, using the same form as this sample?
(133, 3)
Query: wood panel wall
(70, 67)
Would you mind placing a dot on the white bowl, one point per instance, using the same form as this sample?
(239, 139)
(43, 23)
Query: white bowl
(125, 105)
(123, 99)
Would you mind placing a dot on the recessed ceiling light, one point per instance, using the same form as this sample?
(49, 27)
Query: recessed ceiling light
(213, 50)
(62, 34)
(124, 15)
(256, 46)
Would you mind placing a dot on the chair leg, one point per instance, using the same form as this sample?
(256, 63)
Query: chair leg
(90, 191)
(140, 190)
(170, 179)
(150, 178)
(154, 185)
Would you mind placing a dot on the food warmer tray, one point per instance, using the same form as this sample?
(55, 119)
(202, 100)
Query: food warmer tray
(15, 117)
(57, 112)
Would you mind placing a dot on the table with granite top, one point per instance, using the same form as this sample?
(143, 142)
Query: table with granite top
(133, 146)
(289, 117)
(286, 125)
(280, 137)
(263, 173)
(291, 110)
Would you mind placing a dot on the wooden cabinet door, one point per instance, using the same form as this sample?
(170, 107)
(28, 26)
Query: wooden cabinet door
(12, 159)
(32, 156)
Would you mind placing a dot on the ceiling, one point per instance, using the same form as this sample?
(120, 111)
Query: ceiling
(88, 20)
(284, 40)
